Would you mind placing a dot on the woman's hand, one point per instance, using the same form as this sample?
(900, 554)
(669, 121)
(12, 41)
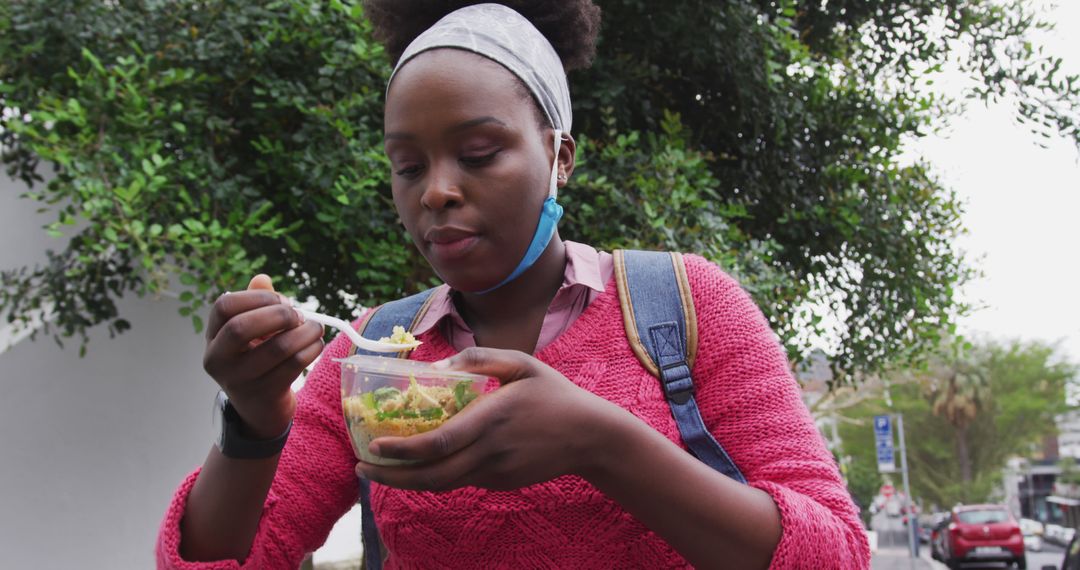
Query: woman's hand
(536, 426)
(256, 346)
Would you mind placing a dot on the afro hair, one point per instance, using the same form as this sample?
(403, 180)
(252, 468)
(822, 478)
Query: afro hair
(570, 25)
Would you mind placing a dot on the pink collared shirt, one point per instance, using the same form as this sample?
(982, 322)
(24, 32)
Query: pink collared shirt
(587, 273)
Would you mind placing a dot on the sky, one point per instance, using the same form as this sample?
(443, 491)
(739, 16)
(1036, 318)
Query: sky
(1022, 207)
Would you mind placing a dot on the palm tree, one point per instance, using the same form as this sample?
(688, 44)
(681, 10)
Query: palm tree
(958, 388)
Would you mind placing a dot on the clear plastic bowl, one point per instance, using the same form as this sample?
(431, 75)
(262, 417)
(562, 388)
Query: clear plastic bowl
(383, 396)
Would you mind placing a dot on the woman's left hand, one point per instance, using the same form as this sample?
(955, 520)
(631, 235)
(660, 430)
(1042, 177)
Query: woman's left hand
(536, 426)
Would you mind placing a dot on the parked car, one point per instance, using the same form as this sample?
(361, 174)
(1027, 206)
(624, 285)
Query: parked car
(927, 524)
(1031, 526)
(893, 507)
(1033, 534)
(924, 533)
(1072, 557)
(979, 533)
(1058, 534)
(1054, 533)
(938, 533)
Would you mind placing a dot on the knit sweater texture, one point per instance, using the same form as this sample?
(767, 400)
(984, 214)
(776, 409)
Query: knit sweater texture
(748, 399)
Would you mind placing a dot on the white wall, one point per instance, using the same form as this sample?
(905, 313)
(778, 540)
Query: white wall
(92, 448)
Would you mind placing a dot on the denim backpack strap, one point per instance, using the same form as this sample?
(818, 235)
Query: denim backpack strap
(377, 323)
(380, 321)
(369, 533)
(661, 325)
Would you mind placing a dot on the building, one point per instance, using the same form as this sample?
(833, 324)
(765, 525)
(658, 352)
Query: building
(1033, 487)
(93, 447)
(1068, 438)
(1028, 487)
(814, 376)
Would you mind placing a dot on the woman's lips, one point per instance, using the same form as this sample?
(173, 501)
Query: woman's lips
(449, 243)
(452, 249)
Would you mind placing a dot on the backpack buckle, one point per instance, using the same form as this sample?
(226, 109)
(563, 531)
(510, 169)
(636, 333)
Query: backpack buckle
(676, 381)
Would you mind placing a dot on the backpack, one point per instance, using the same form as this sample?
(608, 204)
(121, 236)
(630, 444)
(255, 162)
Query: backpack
(661, 326)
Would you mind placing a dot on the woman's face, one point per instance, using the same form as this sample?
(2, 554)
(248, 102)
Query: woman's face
(470, 162)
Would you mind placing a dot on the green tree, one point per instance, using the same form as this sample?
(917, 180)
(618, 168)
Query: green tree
(1025, 387)
(958, 390)
(863, 482)
(1070, 475)
(802, 107)
(200, 142)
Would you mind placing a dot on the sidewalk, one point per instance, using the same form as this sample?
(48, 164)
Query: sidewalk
(898, 559)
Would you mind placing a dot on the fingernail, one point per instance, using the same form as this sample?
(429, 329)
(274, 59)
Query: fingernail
(373, 448)
(284, 300)
(441, 364)
(299, 314)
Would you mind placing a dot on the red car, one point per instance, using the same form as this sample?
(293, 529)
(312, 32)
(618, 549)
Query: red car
(980, 533)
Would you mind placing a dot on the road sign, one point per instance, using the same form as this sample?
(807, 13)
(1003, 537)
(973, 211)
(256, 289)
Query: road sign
(883, 426)
(886, 459)
(883, 440)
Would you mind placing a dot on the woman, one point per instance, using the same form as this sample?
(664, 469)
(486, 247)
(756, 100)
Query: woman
(575, 460)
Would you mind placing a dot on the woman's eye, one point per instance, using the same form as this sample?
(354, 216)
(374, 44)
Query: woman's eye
(478, 160)
(409, 171)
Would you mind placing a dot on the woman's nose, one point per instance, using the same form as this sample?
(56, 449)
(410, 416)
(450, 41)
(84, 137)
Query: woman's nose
(442, 191)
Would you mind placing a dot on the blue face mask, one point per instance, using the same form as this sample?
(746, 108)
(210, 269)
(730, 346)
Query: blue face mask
(550, 214)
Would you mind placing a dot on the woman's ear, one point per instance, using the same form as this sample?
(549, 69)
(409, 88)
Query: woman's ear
(567, 153)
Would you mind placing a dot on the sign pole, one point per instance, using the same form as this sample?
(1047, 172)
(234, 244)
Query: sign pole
(913, 544)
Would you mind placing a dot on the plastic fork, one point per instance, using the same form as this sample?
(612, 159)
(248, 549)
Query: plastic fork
(359, 341)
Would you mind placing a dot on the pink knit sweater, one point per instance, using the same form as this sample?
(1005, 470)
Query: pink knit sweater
(748, 400)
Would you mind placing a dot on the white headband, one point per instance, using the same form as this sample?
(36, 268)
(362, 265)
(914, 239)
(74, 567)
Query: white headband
(506, 37)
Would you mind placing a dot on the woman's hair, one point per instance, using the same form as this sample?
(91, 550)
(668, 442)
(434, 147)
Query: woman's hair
(570, 25)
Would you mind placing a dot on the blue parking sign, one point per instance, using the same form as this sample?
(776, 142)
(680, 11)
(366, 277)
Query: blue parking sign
(886, 461)
(883, 441)
(883, 426)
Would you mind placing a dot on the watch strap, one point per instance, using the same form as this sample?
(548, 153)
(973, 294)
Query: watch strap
(235, 445)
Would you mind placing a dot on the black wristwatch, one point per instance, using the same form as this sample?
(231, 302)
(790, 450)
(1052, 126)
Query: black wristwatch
(232, 443)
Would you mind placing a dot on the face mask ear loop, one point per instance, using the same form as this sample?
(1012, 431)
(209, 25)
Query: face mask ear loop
(553, 185)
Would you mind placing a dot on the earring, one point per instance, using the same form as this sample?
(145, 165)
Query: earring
(562, 178)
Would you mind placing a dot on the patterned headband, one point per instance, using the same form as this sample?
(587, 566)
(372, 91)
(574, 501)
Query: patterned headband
(506, 37)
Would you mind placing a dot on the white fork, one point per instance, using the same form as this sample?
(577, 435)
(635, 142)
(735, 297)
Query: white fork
(359, 341)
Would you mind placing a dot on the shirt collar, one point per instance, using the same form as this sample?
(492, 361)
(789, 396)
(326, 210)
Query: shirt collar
(582, 270)
(582, 267)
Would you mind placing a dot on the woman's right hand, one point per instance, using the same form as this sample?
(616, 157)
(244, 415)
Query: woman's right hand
(256, 346)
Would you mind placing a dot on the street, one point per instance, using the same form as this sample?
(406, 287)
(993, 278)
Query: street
(891, 531)
(1051, 555)
(892, 535)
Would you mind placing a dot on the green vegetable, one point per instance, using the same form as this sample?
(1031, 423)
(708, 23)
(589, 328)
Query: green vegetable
(430, 414)
(394, 414)
(385, 393)
(369, 400)
(463, 394)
